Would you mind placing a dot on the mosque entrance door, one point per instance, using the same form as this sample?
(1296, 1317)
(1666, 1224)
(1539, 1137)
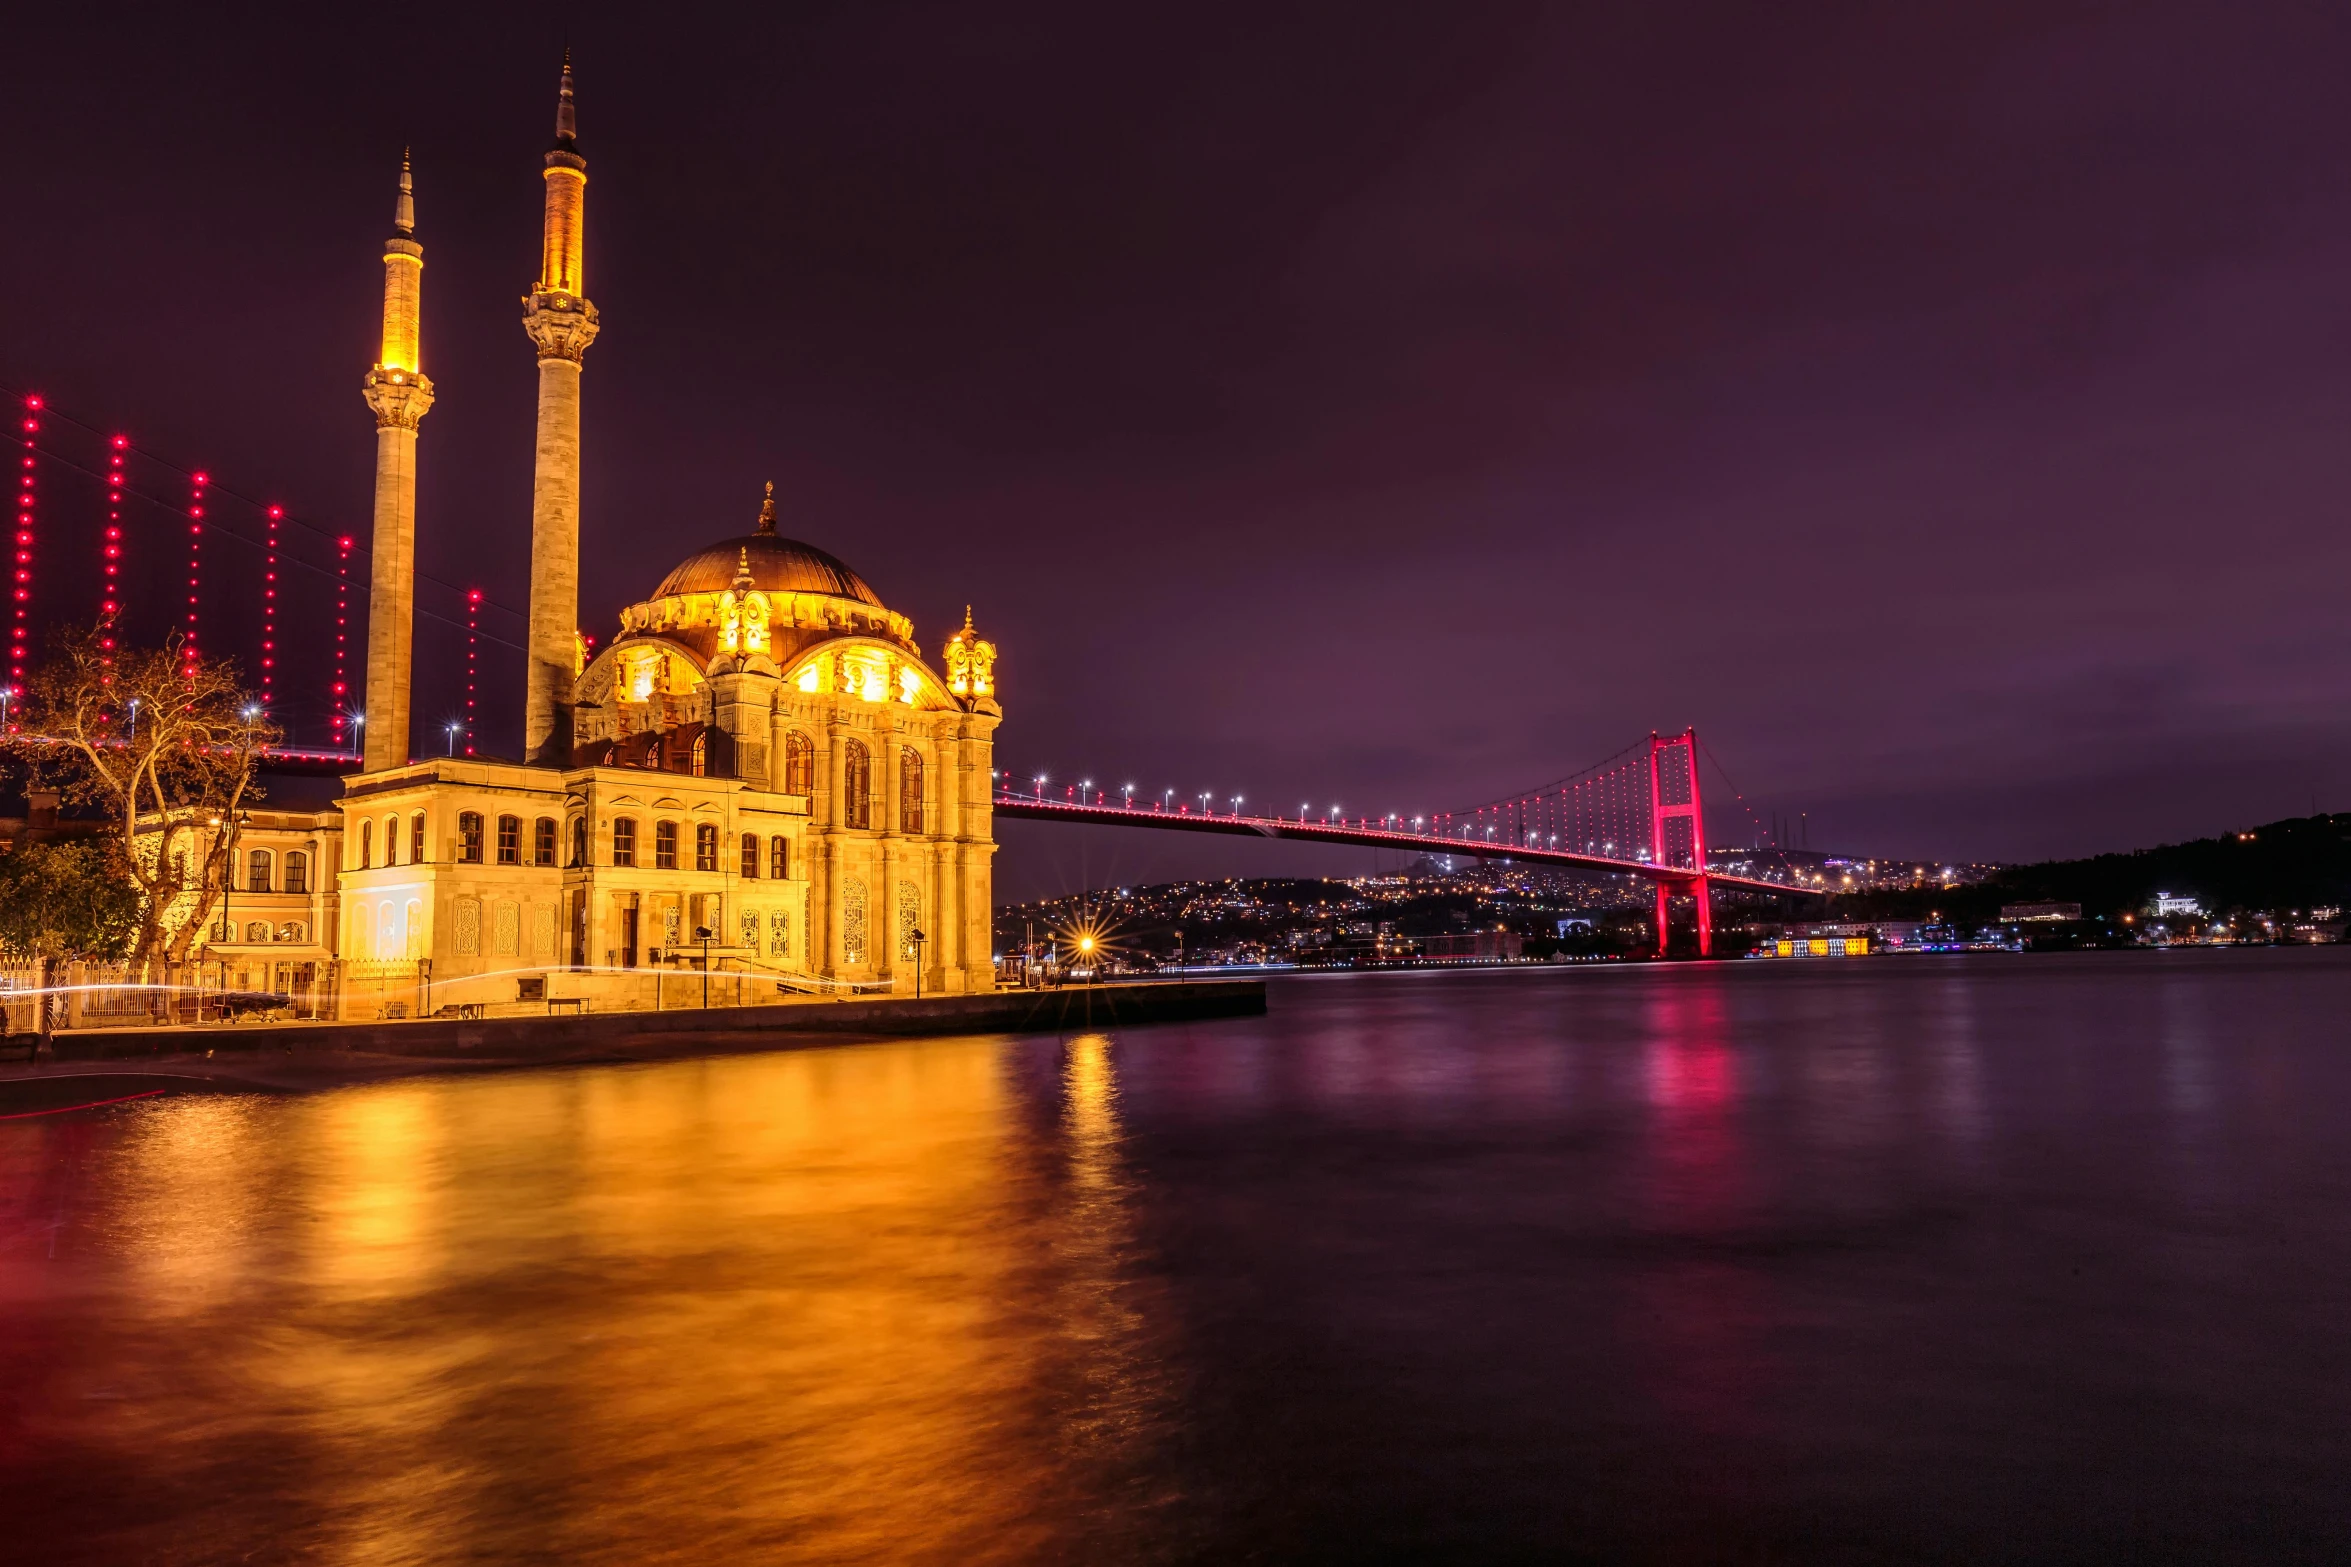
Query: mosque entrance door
(624, 926)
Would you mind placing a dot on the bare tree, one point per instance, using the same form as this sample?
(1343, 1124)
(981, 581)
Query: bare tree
(167, 743)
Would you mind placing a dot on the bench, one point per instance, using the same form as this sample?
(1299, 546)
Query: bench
(573, 1004)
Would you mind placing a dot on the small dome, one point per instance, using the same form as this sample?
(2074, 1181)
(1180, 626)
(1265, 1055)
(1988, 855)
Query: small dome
(778, 565)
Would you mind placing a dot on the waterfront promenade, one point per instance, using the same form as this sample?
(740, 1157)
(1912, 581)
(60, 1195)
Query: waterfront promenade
(294, 1056)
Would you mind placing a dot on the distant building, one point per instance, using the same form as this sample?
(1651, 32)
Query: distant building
(1475, 944)
(2166, 904)
(2012, 913)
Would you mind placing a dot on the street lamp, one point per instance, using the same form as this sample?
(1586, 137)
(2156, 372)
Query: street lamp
(702, 933)
(1130, 794)
(454, 726)
(919, 939)
(134, 729)
(1236, 805)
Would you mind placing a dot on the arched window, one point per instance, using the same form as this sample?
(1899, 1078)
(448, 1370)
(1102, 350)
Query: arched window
(750, 856)
(543, 841)
(469, 836)
(416, 854)
(665, 846)
(579, 841)
(699, 762)
(799, 763)
(392, 841)
(257, 872)
(706, 851)
(510, 840)
(367, 833)
(779, 863)
(910, 790)
(856, 784)
(297, 871)
(257, 932)
(624, 842)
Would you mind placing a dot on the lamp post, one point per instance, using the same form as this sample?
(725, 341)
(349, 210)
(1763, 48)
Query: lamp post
(454, 726)
(919, 939)
(702, 934)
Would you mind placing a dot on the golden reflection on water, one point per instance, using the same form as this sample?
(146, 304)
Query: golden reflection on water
(837, 1305)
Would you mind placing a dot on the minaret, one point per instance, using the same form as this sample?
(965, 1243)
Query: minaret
(561, 324)
(400, 395)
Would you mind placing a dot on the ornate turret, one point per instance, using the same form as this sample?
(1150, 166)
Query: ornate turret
(399, 394)
(561, 324)
(971, 662)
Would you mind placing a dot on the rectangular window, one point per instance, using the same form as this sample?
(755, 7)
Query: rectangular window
(510, 840)
(257, 871)
(543, 841)
(416, 838)
(779, 864)
(624, 845)
(469, 836)
(665, 846)
(750, 856)
(297, 871)
(706, 847)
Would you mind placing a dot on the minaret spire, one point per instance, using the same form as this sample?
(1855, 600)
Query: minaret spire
(567, 131)
(399, 394)
(767, 509)
(561, 324)
(404, 210)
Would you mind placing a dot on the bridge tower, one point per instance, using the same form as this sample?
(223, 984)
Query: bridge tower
(561, 324)
(1677, 827)
(399, 394)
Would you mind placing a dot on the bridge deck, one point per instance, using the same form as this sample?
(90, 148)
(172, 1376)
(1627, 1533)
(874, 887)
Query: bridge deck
(1032, 809)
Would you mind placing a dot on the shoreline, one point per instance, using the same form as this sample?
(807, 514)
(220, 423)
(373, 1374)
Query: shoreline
(103, 1065)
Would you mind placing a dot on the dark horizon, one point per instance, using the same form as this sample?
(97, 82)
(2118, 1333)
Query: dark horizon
(1940, 410)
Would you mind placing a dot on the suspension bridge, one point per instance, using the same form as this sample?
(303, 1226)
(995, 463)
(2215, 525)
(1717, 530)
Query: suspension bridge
(111, 535)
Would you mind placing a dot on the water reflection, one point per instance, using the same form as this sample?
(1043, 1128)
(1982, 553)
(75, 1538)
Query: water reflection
(779, 1287)
(1752, 1263)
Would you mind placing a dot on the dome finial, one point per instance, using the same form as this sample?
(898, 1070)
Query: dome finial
(767, 509)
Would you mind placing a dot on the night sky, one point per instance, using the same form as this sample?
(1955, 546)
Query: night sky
(1940, 406)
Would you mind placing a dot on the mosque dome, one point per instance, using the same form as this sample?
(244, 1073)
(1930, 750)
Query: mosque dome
(777, 565)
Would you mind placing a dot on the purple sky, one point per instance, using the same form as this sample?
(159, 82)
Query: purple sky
(1940, 406)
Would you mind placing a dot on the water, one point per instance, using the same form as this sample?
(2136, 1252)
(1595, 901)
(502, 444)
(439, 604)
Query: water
(1946, 1259)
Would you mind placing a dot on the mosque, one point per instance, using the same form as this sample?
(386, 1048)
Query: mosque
(760, 773)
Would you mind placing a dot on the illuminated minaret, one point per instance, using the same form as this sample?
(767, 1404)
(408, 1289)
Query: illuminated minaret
(561, 324)
(400, 395)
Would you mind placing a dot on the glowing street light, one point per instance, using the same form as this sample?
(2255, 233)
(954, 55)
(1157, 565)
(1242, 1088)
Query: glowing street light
(1129, 791)
(454, 726)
